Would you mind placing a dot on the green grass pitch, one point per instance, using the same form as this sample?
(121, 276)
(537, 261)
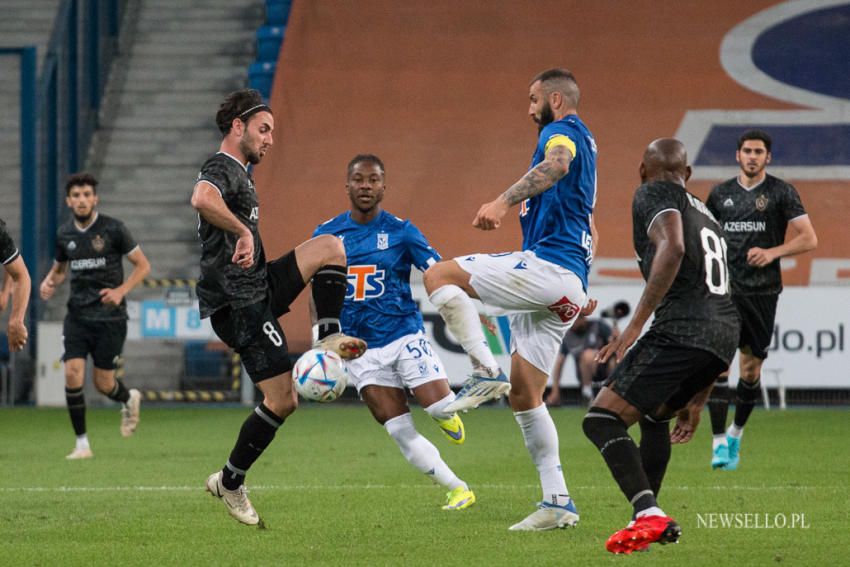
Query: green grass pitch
(333, 489)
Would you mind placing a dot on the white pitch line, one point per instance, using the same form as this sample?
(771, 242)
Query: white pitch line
(298, 487)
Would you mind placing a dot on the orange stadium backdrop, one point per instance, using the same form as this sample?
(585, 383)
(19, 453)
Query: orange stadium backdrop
(438, 90)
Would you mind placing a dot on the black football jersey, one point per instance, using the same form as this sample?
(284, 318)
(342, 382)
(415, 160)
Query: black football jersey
(8, 250)
(756, 217)
(697, 310)
(95, 261)
(222, 281)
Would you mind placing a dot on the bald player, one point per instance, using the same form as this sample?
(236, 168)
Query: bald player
(671, 368)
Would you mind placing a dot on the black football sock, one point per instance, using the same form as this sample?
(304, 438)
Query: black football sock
(608, 432)
(329, 286)
(654, 450)
(256, 434)
(77, 409)
(718, 405)
(119, 393)
(746, 396)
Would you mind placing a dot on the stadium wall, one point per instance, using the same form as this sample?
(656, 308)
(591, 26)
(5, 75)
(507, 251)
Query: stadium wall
(439, 91)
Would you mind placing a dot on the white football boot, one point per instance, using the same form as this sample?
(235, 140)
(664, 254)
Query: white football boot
(236, 501)
(130, 413)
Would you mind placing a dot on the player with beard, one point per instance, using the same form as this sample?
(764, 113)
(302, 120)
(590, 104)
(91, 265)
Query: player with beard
(243, 295)
(16, 282)
(755, 209)
(541, 289)
(379, 307)
(671, 368)
(93, 245)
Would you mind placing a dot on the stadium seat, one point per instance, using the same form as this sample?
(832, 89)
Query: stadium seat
(261, 77)
(269, 40)
(204, 367)
(277, 12)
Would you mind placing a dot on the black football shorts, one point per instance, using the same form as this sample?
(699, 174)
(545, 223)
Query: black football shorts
(654, 373)
(103, 340)
(758, 313)
(254, 333)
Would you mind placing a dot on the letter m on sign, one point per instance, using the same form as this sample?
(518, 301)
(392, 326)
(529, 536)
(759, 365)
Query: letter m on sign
(157, 319)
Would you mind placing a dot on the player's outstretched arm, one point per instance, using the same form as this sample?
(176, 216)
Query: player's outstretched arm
(208, 202)
(20, 288)
(542, 176)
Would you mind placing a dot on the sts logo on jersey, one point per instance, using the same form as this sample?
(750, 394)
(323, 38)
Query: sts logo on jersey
(364, 282)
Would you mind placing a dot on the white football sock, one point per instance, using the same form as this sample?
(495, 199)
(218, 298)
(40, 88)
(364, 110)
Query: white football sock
(717, 441)
(437, 409)
(651, 511)
(735, 432)
(420, 452)
(83, 441)
(541, 440)
(463, 321)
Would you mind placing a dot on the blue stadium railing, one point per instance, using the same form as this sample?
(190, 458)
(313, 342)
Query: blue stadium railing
(63, 103)
(269, 39)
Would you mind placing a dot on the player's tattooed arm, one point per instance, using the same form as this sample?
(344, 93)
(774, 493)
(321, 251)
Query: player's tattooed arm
(540, 177)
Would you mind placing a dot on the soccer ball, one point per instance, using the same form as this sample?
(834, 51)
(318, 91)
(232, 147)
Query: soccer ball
(320, 375)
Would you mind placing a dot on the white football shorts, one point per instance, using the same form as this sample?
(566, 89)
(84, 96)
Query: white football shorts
(407, 362)
(541, 300)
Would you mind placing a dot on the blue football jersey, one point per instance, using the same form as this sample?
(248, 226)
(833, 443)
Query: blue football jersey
(379, 306)
(556, 223)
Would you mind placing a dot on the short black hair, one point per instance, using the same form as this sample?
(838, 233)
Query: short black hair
(755, 135)
(549, 74)
(239, 104)
(80, 179)
(359, 158)
(559, 80)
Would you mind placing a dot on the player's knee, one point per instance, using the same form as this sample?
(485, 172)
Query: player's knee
(748, 392)
(333, 250)
(750, 374)
(382, 416)
(282, 406)
(599, 425)
(522, 401)
(431, 278)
